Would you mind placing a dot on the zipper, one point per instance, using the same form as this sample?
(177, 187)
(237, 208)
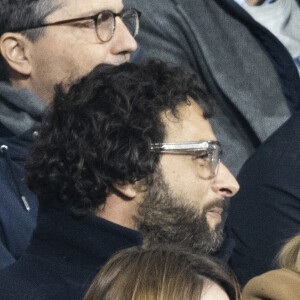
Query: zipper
(4, 150)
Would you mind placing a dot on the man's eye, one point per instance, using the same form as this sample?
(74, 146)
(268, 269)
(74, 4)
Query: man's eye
(202, 156)
(86, 24)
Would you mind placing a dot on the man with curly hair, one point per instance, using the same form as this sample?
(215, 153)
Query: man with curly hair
(126, 153)
(43, 43)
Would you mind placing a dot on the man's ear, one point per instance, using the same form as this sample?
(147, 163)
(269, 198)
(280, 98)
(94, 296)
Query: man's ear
(14, 49)
(126, 189)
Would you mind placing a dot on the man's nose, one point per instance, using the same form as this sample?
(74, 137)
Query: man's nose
(224, 183)
(123, 41)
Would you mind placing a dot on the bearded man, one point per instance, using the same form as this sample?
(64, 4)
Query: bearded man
(126, 152)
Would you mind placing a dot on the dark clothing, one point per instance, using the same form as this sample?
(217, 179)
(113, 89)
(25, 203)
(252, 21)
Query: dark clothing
(16, 221)
(225, 252)
(266, 211)
(249, 72)
(20, 113)
(63, 257)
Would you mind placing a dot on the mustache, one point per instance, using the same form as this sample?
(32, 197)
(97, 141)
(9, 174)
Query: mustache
(216, 203)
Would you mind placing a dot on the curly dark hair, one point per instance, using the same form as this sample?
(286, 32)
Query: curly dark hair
(100, 131)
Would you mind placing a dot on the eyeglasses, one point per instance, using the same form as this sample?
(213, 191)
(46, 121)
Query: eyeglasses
(207, 154)
(104, 23)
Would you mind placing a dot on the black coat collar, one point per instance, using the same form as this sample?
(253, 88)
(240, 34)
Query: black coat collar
(86, 241)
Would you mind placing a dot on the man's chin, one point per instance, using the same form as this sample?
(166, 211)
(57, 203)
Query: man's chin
(162, 219)
(213, 219)
(189, 235)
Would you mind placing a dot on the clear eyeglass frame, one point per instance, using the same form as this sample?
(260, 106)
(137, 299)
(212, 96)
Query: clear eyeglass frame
(210, 153)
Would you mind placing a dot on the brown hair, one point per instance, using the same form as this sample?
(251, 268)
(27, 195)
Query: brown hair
(159, 273)
(289, 256)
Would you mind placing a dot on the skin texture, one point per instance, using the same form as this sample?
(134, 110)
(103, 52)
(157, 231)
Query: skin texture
(196, 191)
(65, 52)
(255, 2)
(213, 292)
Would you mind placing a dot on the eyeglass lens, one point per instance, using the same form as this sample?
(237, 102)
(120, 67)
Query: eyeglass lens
(204, 163)
(208, 162)
(131, 21)
(215, 161)
(106, 24)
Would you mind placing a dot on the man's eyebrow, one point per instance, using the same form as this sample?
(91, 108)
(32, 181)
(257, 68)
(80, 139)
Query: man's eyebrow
(91, 12)
(96, 11)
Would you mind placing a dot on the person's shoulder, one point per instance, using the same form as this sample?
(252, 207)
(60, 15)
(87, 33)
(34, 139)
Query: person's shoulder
(43, 277)
(32, 277)
(277, 276)
(281, 147)
(11, 282)
(287, 132)
(275, 284)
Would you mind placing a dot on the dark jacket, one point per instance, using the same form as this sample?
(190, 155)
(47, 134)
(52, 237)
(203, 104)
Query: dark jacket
(18, 205)
(266, 211)
(64, 256)
(20, 113)
(249, 72)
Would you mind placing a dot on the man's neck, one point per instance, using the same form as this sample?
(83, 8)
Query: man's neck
(119, 212)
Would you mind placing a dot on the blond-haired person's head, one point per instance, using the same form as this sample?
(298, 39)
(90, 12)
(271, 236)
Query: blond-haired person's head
(162, 273)
(289, 256)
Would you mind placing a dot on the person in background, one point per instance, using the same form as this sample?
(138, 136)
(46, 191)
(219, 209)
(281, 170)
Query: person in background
(250, 73)
(162, 272)
(108, 169)
(282, 18)
(43, 43)
(270, 190)
(281, 284)
(266, 210)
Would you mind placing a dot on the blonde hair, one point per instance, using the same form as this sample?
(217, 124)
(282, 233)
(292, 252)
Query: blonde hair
(159, 273)
(289, 256)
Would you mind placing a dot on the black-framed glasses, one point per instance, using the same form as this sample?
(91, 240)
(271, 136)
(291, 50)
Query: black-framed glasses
(104, 23)
(207, 154)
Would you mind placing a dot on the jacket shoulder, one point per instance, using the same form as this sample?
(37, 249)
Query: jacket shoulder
(276, 285)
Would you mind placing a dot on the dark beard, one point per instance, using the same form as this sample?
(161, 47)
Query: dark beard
(163, 220)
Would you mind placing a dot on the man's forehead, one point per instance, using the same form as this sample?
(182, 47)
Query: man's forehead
(189, 126)
(83, 8)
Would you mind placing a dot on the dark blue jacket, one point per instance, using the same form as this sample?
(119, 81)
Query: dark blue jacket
(266, 211)
(18, 205)
(64, 256)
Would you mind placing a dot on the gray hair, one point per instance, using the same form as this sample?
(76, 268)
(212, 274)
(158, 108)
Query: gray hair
(22, 14)
(17, 15)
